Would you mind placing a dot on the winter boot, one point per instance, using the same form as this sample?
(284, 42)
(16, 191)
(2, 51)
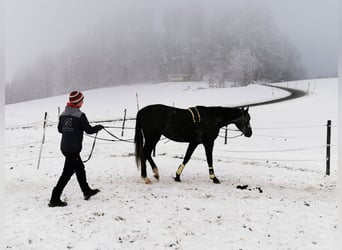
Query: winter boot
(90, 193)
(57, 203)
(55, 200)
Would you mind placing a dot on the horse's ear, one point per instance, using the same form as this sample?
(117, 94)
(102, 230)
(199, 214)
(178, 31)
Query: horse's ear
(247, 109)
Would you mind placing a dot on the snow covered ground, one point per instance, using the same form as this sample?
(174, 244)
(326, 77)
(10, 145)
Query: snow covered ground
(289, 202)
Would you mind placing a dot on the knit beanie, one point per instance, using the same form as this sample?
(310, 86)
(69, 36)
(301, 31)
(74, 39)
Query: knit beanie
(75, 97)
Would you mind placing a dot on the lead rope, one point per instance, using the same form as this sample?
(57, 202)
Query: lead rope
(232, 137)
(92, 149)
(119, 139)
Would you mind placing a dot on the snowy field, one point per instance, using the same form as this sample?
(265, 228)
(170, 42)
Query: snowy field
(284, 199)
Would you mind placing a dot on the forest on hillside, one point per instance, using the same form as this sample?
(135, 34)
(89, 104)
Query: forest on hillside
(187, 43)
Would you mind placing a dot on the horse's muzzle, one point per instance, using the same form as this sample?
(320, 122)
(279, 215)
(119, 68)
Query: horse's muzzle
(248, 132)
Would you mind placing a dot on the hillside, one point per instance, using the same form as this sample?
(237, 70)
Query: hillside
(274, 193)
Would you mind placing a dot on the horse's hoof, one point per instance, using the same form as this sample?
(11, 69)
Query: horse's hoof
(216, 181)
(177, 178)
(156, 173)
(147, 180)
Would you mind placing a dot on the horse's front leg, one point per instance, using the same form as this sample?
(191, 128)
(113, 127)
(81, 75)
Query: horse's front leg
(209, 153)
(189, 151)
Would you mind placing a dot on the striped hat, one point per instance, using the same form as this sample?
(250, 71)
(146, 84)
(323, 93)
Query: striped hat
(75, 97)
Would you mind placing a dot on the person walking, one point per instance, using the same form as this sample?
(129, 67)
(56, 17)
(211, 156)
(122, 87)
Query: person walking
(72, 123)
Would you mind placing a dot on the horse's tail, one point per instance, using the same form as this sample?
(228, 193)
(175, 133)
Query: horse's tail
(138, 140)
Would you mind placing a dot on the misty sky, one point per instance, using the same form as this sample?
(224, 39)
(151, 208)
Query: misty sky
(38, 27)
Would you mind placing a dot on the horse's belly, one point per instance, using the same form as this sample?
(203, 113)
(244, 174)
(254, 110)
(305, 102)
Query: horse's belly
(177, 139)
(181, 137)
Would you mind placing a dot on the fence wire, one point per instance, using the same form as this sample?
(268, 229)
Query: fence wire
(222, 134)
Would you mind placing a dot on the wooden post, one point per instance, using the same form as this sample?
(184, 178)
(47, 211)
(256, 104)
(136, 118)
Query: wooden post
(123, 123)
(225, 135)
(136, 95)
(43, 140)
(328, 148)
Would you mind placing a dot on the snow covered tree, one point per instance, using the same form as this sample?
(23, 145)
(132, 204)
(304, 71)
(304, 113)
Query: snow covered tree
(217, 44)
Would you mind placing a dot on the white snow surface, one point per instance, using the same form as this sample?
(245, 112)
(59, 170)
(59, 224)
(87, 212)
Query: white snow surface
(289, 203)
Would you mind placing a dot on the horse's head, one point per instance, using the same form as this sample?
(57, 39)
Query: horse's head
(242, 123)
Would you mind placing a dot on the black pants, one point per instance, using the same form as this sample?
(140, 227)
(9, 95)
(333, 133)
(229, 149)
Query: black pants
(73, 164)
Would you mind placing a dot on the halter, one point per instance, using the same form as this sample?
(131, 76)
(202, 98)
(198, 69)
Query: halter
(244, 121)
(240, 117)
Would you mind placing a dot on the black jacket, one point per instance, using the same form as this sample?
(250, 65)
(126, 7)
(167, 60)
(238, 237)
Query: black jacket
(72, 123)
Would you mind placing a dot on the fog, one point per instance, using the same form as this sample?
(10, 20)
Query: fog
(51, 46)
(37, 27)
(313, 27)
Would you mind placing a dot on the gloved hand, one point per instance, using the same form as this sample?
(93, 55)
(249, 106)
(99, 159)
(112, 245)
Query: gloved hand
(99, 127)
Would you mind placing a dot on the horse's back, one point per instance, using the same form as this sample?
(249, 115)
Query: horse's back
(153, 111)
(154, 108)
(174, 123)
(153, 117)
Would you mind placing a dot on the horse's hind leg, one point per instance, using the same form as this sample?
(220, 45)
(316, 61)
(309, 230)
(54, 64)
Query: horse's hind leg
(150, 143)
(154, 167)
(143, 168)
(189, 151)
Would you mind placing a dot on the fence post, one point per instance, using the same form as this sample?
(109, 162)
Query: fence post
(328, 148)
(225, 135)
(123, 123)
(136, 95)
(43, 140)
